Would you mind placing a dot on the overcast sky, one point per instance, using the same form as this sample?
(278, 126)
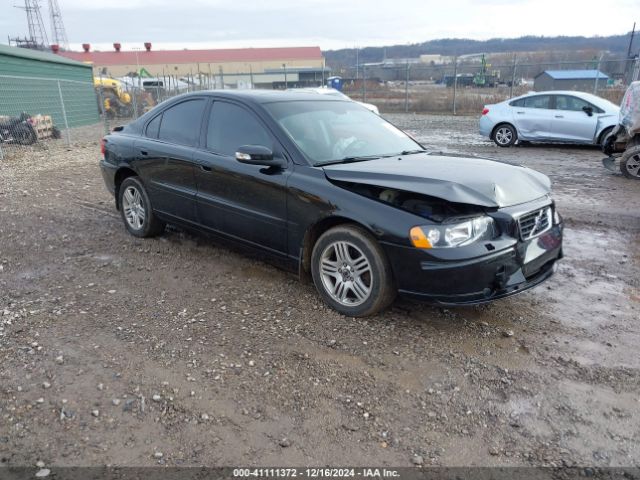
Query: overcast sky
(328, 23)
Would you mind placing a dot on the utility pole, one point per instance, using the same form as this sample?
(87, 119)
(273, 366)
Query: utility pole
(406, 88)
(284, 67)
(513, 76)
(595, 85)
(455, 82)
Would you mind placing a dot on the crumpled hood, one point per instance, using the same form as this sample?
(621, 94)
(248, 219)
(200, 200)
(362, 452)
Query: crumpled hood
(474, 181)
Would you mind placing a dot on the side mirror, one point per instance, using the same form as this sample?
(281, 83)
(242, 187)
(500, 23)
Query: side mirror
(257, 155)
(588, 110)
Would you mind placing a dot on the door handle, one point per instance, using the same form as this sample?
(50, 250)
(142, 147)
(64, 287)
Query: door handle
(559, 116)
(520, 113)
(144, 152)
(206, 168)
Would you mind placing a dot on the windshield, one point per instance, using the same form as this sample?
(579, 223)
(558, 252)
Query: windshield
(328, 131)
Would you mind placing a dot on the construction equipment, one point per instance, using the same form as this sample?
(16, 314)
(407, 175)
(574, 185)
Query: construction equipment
(113, 101)
(483, 78)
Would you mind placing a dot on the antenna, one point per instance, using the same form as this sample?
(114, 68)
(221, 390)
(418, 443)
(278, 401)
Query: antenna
(57, 27)
(37, 34)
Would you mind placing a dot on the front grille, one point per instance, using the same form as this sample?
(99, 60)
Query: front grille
(534, 223)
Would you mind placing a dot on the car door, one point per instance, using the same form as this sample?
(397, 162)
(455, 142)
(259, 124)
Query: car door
(532, 117)
(247, 202)
(570, 121)
(164, 157)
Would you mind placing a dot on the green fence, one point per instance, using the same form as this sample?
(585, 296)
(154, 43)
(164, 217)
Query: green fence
(70, 103)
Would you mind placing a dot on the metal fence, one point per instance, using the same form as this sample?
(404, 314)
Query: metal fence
(64, 112)
(464, 87)
(41, 113)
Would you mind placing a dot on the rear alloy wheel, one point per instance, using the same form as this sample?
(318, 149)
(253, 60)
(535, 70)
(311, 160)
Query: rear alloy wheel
(351, 272)
(630, 163)
(136, 211)
(505, 135)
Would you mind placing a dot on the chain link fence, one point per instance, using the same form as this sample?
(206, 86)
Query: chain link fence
(464, 87)
(45, 113)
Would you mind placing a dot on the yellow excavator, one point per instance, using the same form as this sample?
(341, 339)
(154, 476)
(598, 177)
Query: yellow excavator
(112, 99)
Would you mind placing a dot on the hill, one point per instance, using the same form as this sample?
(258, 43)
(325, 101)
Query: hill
(616, 44)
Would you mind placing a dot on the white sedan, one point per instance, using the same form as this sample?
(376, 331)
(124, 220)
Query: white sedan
(555, 116)
(336, 93)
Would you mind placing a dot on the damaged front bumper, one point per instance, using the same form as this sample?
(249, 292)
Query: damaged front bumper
(479, 273)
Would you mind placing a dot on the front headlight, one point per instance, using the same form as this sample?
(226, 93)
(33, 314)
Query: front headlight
(453, 234)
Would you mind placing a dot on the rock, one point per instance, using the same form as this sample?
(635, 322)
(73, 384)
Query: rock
(46, 385)
(417, 460)
(43, 472)
(59, 359)
(40, 400)
(158, 455)
(115, 401)
(350, 427)
(100, 386)
(204, 417)
(432, 414)
(95, 413)
(156, 398)
(128, 405)
(251, 363)
(494, 451)
(507, 333)
(40, 464)
(284, 443)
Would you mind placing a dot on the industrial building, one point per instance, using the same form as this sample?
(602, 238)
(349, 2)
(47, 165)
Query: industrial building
(580, 80)
(257, 67)
(43, 83)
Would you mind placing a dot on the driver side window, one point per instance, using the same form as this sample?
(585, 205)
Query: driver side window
(231, 126)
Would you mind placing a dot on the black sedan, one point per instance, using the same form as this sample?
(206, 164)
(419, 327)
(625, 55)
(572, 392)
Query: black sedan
(325, 188)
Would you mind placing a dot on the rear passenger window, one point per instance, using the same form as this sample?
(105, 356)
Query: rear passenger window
(153, 126)
(231, 127)
(537, 101)
(181, 123)
(517, 103)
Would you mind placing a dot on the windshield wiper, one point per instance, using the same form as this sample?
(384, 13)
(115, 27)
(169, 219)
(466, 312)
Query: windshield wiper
(362, 158)
(411, 152)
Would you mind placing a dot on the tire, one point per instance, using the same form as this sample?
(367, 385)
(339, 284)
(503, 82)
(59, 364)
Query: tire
(630, 162)
(136, 211)
(24, 135)
(505, 135)
(336, 258)
(605, 133)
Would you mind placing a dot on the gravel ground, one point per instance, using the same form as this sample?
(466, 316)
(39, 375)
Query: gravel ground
(178, 351)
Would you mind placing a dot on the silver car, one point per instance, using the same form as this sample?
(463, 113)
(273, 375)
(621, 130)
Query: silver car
(556, 116)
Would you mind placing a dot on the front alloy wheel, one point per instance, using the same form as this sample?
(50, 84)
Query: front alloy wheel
(505, 136)
(346, 273)
(351, 271)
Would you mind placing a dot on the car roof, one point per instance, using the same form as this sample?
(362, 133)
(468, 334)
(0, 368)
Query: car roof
(599, 101)
(266, 96)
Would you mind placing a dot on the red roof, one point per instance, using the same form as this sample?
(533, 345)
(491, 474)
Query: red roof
(160, 57)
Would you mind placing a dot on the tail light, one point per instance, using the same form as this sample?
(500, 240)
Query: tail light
(103, 146)
(485, 111)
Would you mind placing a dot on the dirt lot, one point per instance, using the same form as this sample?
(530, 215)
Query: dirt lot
(121, 351)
